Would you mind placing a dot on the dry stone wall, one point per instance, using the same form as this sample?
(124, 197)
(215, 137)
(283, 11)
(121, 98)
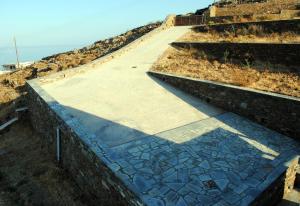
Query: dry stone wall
(278, 112)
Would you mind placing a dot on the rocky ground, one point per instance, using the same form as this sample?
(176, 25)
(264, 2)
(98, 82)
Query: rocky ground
(12, 85)
(191, 64)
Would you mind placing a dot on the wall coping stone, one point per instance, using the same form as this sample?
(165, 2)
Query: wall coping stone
(230, 86)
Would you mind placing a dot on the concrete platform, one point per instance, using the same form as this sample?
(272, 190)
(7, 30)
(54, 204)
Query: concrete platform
(167, 147)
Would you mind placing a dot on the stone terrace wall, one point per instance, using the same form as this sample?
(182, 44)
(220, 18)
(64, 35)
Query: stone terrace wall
(277, 112)
(190, 20)
(90, 172)
(267, 26)
(271, 7)
(244, 53)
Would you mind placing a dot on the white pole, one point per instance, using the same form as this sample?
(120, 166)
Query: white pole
(17, 53)
(57, 144)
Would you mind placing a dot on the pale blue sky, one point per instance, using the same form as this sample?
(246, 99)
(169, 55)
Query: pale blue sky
(81, 22)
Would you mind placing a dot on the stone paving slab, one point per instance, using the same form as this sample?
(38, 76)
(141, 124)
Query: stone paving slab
(226, 160)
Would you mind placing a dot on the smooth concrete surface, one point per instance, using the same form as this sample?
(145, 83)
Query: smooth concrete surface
(121, 92)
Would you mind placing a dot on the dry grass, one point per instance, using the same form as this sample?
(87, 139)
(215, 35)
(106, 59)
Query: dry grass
(28, 175)
(253, 34)
(192, 64)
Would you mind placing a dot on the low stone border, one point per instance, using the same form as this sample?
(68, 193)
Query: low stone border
(275, 111)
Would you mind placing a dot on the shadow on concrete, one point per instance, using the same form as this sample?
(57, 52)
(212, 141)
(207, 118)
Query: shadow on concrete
(216, 159)
(245, 130)
(233, 155)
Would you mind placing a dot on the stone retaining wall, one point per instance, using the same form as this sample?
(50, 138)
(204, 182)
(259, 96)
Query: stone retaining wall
(267, 26)
(190, 20)
(78, 157)
(278, 112)
(229, 19)
(248, 53)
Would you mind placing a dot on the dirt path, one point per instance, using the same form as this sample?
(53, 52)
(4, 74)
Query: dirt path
(29, 176)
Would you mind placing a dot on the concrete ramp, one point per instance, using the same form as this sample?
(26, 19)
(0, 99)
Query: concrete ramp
(120, 91)
(160, 145)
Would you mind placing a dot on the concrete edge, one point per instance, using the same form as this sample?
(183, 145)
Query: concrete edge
(56, 107)
(233, 43)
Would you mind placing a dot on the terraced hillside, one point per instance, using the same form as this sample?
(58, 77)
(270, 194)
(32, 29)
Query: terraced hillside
(200, 55)
(251, 51)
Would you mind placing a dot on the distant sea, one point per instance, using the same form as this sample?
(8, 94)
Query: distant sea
(8, 55)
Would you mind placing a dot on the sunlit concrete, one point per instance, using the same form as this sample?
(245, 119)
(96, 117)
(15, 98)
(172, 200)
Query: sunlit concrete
(120, 91)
